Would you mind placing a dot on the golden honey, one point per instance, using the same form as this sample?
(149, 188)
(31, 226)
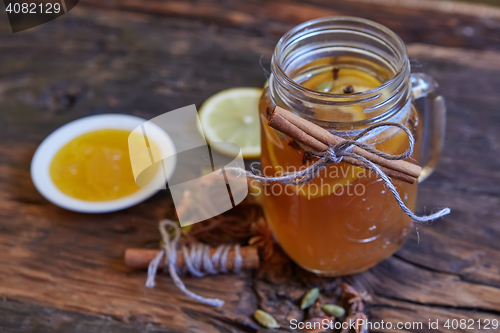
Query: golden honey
(95, 166)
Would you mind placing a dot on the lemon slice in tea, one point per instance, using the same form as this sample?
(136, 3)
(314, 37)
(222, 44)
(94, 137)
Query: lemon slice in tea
(232, 115)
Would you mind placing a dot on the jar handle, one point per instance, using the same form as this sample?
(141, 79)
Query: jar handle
(432, 108)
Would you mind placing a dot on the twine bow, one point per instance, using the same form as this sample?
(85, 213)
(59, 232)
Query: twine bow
(194, 258)
(336, 153)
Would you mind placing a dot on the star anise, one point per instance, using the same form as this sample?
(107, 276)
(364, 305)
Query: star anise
(315, 311)
(356, 317)
(355, 298)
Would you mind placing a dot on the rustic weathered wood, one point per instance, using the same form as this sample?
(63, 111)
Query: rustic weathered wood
(94, 61)
(17, 317)
(423, 21)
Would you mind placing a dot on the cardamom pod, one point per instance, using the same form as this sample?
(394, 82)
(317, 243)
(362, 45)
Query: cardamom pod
(325, 87)
(333, 310)
(265, 319)
(309, 298)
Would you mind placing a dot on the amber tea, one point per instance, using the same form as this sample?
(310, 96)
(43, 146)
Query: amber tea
(345, 220)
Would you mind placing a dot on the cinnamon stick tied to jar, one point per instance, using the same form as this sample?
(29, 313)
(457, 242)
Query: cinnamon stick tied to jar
(320, 140)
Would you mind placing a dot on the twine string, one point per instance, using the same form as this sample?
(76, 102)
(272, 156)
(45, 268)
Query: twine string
(195, 258)
(199, 254)
(336, 153)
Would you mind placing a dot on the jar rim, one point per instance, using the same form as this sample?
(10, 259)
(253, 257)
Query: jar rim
(329, 19)
(386, 101)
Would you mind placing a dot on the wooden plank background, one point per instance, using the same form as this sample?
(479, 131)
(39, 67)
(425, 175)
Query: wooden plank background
(63, 272)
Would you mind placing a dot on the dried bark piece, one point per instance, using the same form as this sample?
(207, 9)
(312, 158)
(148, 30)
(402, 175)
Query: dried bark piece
(263, 238)
(231, 227)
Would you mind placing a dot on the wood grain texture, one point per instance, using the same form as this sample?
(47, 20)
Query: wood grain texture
(17, 317)
(432, 22)
(64, 272)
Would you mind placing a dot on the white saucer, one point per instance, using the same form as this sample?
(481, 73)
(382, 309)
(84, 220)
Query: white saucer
(44, 154)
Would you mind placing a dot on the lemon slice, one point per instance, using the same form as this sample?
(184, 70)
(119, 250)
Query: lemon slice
(356, 79)
(232, 115)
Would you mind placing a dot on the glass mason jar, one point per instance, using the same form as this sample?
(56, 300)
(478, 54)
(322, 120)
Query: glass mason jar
(344, 74)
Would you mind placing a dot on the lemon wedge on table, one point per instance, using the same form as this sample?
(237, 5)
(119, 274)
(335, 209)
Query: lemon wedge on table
(232, 115)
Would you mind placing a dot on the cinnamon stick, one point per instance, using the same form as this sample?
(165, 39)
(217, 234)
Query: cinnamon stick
(319, 139)
(140, 258)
